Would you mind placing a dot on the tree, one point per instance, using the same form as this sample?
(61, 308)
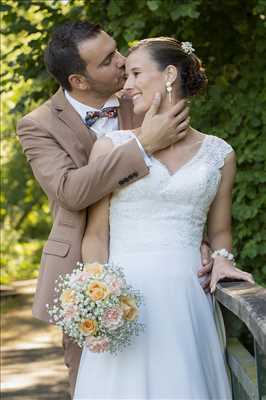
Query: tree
(229, 36)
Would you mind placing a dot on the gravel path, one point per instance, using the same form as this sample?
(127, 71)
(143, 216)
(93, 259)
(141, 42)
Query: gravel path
(32, 366)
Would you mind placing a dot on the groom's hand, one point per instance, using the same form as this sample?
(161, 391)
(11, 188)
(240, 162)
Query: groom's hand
(159, 131)
(205, 270)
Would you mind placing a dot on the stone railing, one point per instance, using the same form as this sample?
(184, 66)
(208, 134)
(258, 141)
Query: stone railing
(244, 310)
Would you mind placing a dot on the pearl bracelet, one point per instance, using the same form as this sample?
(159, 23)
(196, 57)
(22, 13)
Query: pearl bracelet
(224, 253)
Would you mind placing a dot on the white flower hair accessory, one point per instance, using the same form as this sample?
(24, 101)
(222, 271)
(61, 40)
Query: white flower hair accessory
(187, 47)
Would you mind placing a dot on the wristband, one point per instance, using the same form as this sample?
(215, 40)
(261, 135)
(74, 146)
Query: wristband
(224, 253)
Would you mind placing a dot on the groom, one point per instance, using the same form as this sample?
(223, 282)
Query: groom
(57, 139)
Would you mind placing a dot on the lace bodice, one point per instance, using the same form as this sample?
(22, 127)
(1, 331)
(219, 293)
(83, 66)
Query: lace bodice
(167, 211)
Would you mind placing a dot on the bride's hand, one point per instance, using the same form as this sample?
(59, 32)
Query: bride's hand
(223, 268)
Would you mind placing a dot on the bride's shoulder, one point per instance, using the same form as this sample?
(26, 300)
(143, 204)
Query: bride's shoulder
(120, 136)
(217, 142)
(106, 143)
(218, 149)
(101, 147)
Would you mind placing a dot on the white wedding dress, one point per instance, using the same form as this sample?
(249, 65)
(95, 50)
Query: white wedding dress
(156, 228)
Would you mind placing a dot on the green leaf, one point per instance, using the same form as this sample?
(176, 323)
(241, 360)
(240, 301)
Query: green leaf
(4, 7)
(185, 10)
(153, 4)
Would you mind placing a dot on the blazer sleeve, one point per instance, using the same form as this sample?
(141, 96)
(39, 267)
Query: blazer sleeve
(72, 187)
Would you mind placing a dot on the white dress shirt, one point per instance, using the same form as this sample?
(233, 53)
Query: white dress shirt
(104, 125)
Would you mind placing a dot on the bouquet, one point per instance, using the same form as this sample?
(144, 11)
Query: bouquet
(96, 307)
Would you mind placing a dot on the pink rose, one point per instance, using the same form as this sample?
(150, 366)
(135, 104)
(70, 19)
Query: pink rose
(97, 345)
(115, 286)
(80, 277)
(114, 283)
(112, 318)
(70, 311)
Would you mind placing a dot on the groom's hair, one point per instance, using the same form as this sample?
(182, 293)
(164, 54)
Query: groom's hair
(62, 56)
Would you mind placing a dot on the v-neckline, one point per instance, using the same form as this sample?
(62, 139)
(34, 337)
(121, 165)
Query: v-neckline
(173, 173)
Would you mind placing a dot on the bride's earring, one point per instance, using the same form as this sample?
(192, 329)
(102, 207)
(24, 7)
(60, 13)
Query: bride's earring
(169, 91)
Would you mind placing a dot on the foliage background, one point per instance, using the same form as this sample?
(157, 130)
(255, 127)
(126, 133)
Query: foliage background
(229, 36)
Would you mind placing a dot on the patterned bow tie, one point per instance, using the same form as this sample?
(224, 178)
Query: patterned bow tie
(93, 116)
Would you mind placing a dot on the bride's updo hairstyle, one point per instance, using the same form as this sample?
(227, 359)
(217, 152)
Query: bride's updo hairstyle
(168, 51)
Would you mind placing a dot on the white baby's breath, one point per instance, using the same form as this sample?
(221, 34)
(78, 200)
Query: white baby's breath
(72, 310)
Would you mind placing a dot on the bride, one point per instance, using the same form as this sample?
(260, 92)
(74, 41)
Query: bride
(154, 228)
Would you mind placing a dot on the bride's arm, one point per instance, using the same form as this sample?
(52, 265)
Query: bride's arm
(219, 226)
(95, 242)
(219, 217)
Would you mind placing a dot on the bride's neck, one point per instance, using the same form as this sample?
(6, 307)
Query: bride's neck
(166, 105)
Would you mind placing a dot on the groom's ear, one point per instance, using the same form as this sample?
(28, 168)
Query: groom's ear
(78, 82)
(171, 74)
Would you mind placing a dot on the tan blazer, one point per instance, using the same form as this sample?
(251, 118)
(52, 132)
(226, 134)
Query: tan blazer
(57, 145)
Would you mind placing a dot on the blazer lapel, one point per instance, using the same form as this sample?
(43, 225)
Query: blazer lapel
(77, 129)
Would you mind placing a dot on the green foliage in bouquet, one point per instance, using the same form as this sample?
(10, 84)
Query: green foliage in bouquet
(229, 36)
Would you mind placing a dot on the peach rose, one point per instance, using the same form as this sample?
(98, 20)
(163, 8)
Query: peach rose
(94, 269)
(129, 308)
(88, 327)
(68, 296)
(97, 291)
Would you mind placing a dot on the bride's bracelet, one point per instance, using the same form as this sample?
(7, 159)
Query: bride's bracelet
(224, 253)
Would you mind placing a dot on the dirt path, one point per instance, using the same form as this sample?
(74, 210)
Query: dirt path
(32, 366)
